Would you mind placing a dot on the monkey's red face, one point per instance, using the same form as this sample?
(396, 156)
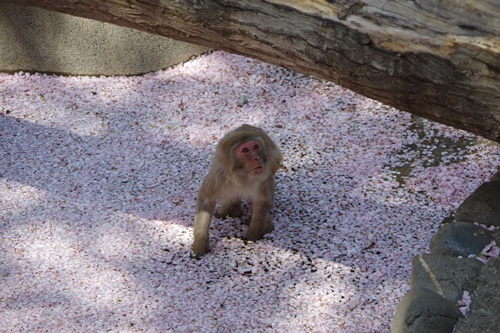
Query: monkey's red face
(251, 154)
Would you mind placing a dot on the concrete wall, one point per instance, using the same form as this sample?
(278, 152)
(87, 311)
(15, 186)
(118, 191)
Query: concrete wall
(37, 40)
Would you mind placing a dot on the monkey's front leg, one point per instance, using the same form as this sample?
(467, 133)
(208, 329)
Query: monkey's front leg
(204, 212)
(260, 223)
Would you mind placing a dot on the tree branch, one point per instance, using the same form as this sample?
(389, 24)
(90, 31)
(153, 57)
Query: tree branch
(435, 59)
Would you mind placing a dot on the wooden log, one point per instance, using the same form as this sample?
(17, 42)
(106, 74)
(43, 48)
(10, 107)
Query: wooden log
(435, 59)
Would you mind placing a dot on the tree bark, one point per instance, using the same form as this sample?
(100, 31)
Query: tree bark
(435, 59)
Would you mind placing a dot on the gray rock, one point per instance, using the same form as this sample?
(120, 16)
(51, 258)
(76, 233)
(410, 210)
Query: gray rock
(459, 239)
(496, 236)
(495, 177)
(452, 275)
(242, 101)
(422, 310)
(483, 315)
(483, 205)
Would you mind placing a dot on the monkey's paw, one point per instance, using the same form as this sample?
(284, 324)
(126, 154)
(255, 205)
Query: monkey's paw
(199, 248)
(255, 233)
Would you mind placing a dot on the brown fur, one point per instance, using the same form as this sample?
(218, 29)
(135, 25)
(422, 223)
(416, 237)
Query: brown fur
(229, 180)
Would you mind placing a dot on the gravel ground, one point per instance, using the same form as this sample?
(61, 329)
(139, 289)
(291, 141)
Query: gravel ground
(98, 180)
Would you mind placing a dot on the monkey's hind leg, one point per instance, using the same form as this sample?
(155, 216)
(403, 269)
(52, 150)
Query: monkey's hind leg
(229, 208)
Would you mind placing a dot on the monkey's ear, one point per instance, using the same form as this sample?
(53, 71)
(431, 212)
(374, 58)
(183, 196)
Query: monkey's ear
(278, 159)
(221, 156)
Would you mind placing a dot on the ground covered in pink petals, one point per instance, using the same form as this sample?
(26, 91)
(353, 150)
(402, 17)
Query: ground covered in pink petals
(98, 180)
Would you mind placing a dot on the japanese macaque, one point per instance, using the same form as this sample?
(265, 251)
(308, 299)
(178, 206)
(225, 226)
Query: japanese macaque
(243, 167)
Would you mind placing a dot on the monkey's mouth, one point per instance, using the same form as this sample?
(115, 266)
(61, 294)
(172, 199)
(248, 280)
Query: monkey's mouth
(258, 170)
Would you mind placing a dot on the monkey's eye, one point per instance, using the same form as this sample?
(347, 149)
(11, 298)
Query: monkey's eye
(256, 147)
(244, 150)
